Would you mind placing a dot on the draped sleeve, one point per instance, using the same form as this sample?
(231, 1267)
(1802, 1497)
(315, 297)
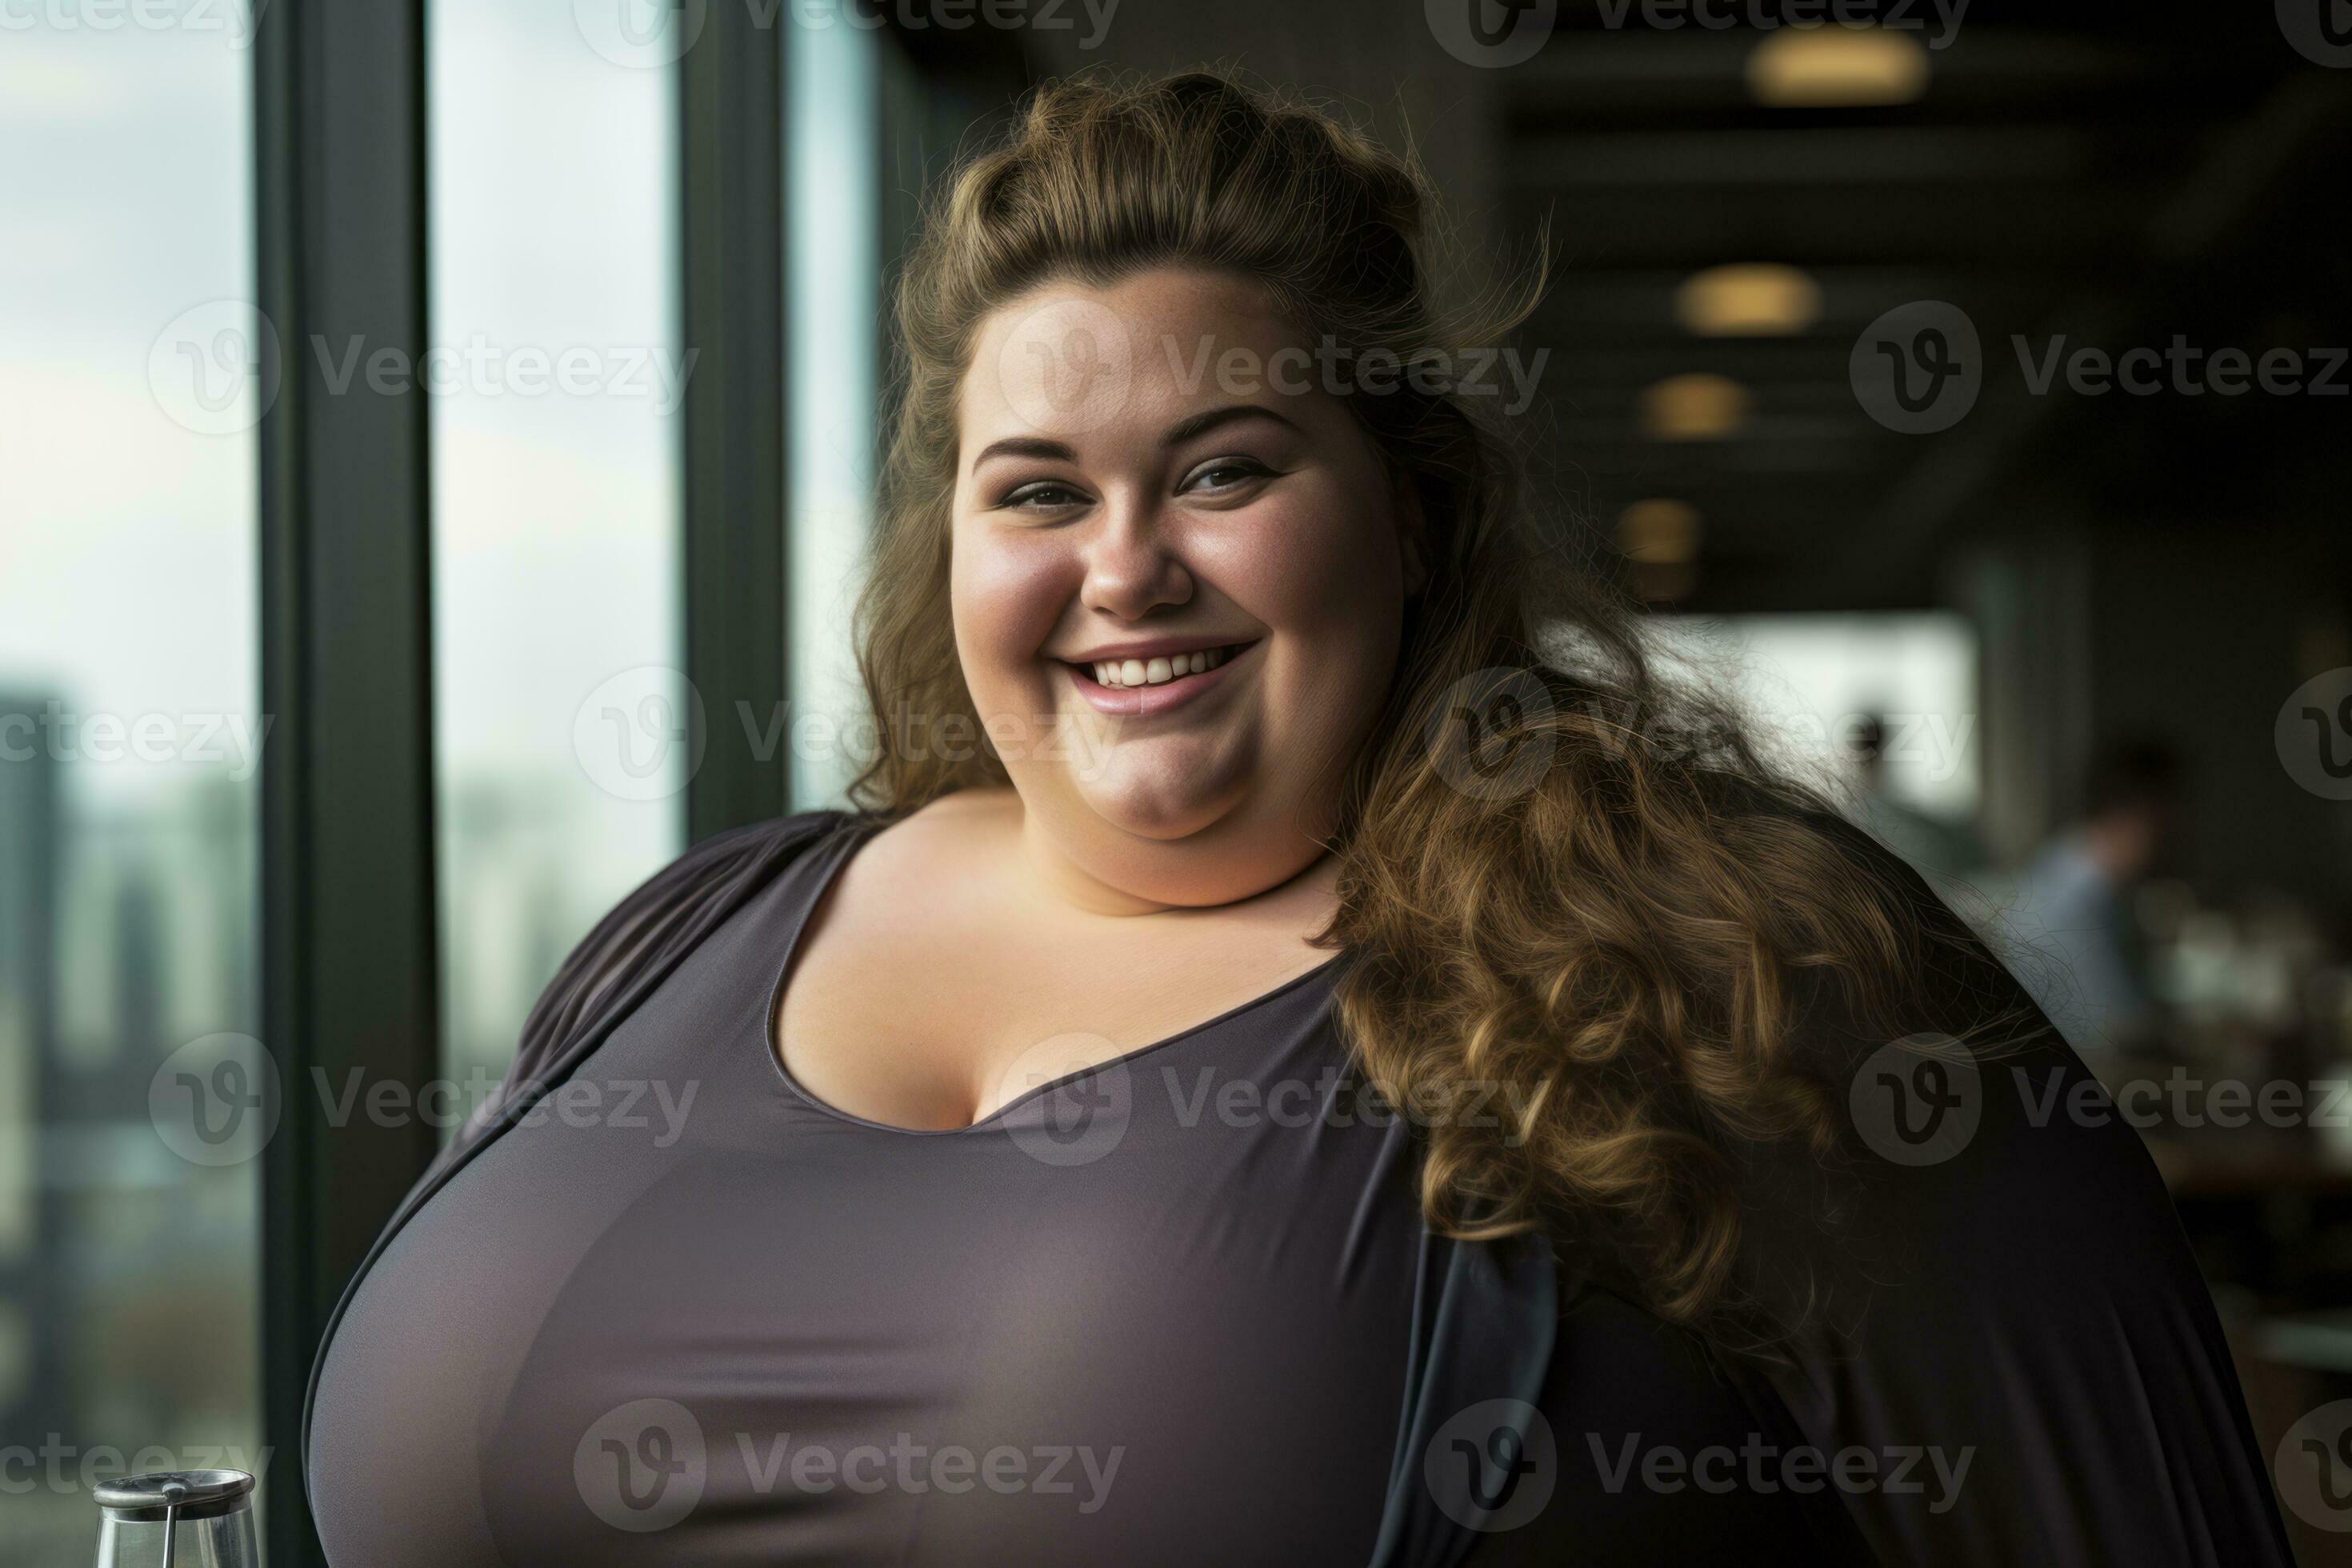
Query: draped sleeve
(2011, 1305)
(627, 953)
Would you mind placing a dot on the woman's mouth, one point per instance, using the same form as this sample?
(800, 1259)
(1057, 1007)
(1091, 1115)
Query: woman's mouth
(1139, 687)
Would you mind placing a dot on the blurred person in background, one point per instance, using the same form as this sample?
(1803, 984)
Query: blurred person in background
(1940, 850)
(2075, 900)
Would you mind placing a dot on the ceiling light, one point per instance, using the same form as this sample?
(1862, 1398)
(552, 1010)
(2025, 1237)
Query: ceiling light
(1694, 408)
(1660, 537)
(1836, 67)
(1659, 530)
(1756, 300)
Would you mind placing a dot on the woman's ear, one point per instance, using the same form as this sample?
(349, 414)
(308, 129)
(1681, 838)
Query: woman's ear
(1412, 528)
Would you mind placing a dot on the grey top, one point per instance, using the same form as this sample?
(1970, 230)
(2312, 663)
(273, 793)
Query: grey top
(660, 1305)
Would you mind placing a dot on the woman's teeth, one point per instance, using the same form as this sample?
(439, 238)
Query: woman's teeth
(1153, 671)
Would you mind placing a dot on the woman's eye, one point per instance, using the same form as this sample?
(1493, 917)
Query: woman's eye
(1226, 473)
(1044, 495)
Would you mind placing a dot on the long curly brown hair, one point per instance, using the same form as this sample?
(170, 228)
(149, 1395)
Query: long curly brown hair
(1574, 892)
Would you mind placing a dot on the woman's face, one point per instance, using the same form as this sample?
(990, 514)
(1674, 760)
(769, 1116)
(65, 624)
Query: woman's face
(1155, 478)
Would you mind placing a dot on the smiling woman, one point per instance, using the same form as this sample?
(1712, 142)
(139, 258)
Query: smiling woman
(1166, 520)
(1309, 1051)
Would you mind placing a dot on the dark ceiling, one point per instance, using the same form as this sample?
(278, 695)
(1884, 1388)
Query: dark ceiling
(2117, 173)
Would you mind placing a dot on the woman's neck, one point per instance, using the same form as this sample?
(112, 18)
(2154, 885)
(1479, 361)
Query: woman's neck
(1038, 863)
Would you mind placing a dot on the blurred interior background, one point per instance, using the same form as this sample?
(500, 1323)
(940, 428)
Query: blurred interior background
(334, 707)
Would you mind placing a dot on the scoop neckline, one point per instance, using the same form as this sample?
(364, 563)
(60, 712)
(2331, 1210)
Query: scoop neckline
(851, 833)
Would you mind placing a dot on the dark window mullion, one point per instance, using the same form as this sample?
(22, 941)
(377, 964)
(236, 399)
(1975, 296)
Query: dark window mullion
(349, 971)
(730, 94)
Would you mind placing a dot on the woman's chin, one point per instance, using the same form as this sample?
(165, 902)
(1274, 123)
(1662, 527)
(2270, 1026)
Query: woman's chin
(1159, 798)
(1160, 816)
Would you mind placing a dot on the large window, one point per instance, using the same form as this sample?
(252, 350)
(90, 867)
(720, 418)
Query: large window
(129, 755)
(148, 532)
(553, 197)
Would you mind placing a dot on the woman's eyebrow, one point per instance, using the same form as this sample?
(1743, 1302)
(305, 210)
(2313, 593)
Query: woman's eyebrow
(1202, 424)
(1026, 447)
(1042, 449)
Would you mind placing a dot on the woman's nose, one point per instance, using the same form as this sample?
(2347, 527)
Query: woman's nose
(1131, 561)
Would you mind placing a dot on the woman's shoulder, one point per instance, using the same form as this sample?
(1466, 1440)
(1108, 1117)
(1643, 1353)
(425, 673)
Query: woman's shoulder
(704, 871)
(661, 918)
(2002, 1281)
(734, 847)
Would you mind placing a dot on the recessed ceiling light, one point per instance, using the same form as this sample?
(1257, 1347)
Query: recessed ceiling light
(1660, 531)
(1694, 408)
(1660, 537)
(1756, 299)
(1836, 67)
